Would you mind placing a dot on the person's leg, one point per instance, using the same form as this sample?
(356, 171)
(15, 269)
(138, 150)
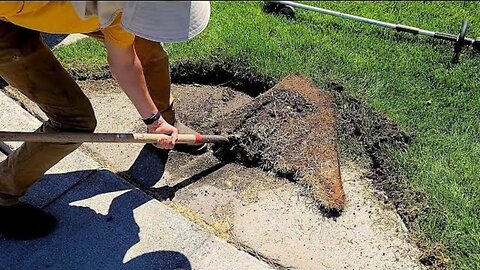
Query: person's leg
(27, 64)
(156, 69)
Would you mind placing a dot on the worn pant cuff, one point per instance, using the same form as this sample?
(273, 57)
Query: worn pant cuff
(8, 200)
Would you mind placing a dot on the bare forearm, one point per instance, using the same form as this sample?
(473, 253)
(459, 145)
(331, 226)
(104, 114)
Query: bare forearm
(131, 80)
(128, 71)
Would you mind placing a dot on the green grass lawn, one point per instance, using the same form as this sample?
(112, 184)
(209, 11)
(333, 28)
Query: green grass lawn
(408, 78)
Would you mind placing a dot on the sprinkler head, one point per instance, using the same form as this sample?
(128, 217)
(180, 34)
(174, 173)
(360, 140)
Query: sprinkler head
(271, 7)
(279, 9)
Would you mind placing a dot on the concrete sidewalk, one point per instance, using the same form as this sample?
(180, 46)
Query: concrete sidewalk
(105, 223)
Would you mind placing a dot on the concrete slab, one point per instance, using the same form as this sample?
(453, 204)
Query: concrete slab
(266, 215)
(105, 223)
(219, 255)
(17, 119)
(287, 230)
(53, 39)
(125, 118)
(52, 186)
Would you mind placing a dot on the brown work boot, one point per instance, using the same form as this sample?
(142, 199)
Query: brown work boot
(23, 221)
(196, 149)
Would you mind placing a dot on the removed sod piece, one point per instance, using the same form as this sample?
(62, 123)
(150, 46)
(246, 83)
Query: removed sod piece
(291, 131)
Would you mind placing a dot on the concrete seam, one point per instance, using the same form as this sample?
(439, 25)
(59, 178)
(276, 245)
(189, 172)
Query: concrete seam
(24, 106)
(259, 256)
(72, 187)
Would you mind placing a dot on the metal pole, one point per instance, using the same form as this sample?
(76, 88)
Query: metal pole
(397, 27)
(4, 148)
(338, 14)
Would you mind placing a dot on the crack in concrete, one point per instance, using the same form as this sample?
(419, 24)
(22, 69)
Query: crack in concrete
(259, 256)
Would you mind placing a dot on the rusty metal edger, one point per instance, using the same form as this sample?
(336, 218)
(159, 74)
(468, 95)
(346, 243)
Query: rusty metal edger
(108, 137)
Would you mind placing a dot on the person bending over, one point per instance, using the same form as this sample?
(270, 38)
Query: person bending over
(132, 32)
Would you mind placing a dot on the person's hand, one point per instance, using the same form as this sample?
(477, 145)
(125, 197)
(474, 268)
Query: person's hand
(161, 126)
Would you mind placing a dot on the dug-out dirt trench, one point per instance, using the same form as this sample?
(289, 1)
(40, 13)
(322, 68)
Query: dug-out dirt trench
(256, 210)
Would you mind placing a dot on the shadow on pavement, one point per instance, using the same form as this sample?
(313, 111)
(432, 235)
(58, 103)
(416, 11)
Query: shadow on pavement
(149, 167)
(98, 228)
(168, 192)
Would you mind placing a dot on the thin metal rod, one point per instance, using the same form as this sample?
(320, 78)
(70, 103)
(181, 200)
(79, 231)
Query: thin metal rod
(397, 27)
(338, 14)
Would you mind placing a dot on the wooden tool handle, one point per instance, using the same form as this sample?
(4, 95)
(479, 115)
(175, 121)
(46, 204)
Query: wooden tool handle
(66, 137)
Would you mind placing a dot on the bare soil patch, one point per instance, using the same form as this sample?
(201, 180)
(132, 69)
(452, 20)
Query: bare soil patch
(234, 74)
(366, 135)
